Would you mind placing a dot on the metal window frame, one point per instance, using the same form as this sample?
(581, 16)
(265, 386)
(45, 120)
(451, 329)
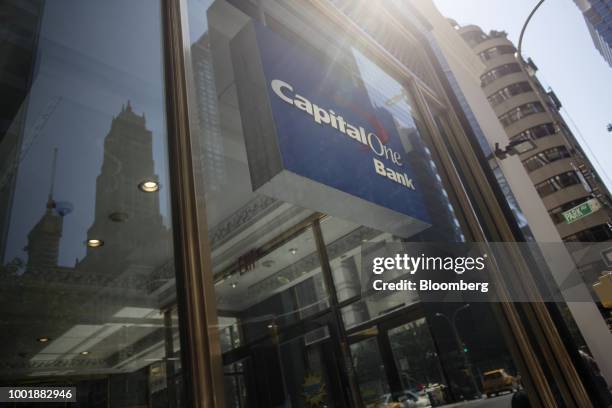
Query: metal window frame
(200, 344)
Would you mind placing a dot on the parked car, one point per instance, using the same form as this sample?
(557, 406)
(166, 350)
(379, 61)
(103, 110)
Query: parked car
(496, 381)
(404, 399)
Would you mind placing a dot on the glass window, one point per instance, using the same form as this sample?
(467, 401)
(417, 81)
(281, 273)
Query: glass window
(344, 246)
(87, 267)
(536, 132)
(297, 321)
(499, 72)
(598, 233)
(557, 183)
(496, 51)
(270, 289)
(267, 252)
(369, 367)
(545, 157)
(520, 112)
(414, 350)
(508, 92)
(390, 38)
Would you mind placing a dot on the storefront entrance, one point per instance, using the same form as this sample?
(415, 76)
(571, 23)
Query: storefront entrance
(396, 360)
(284, 346)
(297, 328)
(297, 367)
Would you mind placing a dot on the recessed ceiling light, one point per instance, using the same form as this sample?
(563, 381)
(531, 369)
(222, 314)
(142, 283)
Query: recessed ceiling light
(43, 339)
(270, 326)
(149, 186)
(234, 284)
(84, 353)
(293, 251)
(94, 243)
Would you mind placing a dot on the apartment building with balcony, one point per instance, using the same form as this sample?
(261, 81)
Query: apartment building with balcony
(557, 165)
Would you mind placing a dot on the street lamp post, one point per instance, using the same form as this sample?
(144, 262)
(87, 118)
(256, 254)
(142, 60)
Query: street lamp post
(578, 160)
(525, 68)
(520, 43)
(534, 85)
(460, 346)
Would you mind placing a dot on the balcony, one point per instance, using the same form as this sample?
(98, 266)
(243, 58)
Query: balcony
(597, 218)
(492, 42)
(545, 143)
(551, 170)
(561, 197)
(513, 102)
(528, 122)
(504, 82)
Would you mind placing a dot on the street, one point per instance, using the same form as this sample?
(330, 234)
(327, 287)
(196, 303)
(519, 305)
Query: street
(494, 402)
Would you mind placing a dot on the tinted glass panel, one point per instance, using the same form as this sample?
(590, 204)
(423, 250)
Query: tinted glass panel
(557, 183)
(86, 230)
(546, 157)
(295, 316)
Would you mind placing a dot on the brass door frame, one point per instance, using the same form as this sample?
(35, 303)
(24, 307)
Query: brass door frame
(200, 347)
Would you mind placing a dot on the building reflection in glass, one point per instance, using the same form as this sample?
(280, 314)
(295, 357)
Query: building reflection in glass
(83, 309)
(87, 279)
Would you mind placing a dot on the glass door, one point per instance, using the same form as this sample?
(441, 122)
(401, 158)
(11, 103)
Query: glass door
(370, 369)
(297, 367)
(235, 383)
(396, 362)
(416, 361)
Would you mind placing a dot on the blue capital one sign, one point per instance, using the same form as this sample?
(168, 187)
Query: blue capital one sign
(314, 137)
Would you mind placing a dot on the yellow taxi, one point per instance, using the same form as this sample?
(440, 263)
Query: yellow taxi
(496, 381)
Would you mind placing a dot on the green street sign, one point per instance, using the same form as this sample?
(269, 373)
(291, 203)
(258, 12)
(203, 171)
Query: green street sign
(582, 210)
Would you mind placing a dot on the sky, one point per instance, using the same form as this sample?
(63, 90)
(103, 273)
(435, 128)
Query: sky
(91, 69)
(558, 41)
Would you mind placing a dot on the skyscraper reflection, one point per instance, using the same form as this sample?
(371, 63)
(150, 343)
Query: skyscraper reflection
(108, 303)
